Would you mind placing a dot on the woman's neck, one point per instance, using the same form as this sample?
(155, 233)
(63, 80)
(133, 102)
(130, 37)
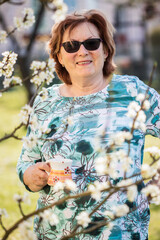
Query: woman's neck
(83, 88)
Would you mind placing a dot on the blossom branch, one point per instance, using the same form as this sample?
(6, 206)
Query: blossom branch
(26, 217)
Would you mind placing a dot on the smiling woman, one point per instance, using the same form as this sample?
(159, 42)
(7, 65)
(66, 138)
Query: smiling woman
(89, 25)
(91, 101)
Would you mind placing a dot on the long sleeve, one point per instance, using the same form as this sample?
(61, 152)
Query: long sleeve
(28, 156)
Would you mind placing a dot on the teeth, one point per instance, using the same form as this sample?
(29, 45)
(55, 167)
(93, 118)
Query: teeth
(83, 62)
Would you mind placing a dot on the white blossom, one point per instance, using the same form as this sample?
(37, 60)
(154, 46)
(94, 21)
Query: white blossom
(109, 214)
(95, 192)
(120, 156)
(134, 106)
(152, 191)
(101, 165)
(140, 97)
(146, 105)
(96, 188)
(121, 210)
(43, 130)
(34, 122)
(120, 137)
(142, 126)
(17, 80)
(7, 82)
(147, 171)
(25, 113)
(37, 65)
(70, 185)
(19, 198)
(51, 64)
(132, 193)
(83, 219)
(61, 11)
(44, 94)
(26, 21)
(125, 183)
(3, 212)
(141, 116)
(3, 36)
(135, 112)
(42, 72)
(26, 231)
(109, 163)
(8, 61)
(59, 186)
(153, 151)
(49, 216)
(30, 141)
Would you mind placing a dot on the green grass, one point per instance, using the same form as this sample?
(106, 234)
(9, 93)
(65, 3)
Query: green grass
(154, 227)
(10, 149)
(10, 105)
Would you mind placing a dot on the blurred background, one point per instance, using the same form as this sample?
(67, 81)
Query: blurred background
(137, 37)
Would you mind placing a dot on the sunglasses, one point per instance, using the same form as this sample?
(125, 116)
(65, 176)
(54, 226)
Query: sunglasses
(89, 44)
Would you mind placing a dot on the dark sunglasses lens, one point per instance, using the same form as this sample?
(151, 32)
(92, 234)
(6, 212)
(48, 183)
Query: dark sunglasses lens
(92, 44)
(71, 47)
(89, 44)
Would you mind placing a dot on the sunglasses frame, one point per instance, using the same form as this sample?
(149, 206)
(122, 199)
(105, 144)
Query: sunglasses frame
(99, 40)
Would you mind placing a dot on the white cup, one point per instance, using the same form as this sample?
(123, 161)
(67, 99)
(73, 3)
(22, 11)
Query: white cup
(60, 170)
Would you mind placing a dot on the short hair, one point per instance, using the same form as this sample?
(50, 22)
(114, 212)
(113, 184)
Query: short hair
(104, 28)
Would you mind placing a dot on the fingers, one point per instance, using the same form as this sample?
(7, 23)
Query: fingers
(36, 177)
(44, 166)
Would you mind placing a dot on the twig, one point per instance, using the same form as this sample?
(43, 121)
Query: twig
(2, 225)
(20, 208)
(12, 134)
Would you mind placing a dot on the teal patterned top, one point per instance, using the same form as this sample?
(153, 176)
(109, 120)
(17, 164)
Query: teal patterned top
(105, 109)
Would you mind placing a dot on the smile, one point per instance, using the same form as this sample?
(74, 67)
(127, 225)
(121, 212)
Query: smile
(83, 62)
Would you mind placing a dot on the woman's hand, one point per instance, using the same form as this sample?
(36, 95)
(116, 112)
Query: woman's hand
(36, 177)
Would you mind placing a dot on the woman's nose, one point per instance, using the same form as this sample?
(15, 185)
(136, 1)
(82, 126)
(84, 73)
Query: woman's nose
(82, 50)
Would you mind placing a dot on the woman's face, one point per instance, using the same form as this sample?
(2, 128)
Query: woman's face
(83, 64)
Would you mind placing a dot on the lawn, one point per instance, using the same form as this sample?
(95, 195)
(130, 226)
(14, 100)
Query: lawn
(10, 105)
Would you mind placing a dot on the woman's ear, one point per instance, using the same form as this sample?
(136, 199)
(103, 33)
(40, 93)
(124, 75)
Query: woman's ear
(105, 55)
(59, 56)
(105, 52)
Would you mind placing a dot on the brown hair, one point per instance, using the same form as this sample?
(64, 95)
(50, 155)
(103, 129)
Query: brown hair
(105, 30)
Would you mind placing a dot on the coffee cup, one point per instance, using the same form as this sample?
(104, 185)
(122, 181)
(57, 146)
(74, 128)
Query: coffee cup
(60, 170)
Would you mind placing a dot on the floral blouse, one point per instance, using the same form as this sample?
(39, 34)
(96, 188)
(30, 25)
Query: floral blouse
(106, 109)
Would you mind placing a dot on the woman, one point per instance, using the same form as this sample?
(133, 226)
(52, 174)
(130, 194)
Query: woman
(83, 48)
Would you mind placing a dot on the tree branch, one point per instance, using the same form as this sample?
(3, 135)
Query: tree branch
(11, 2)
(36, 27)
(11, 36)
(12, 134)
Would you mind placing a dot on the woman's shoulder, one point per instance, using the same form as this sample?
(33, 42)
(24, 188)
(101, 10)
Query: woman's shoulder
(126, 79)
(129, 81)
(133, 85)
